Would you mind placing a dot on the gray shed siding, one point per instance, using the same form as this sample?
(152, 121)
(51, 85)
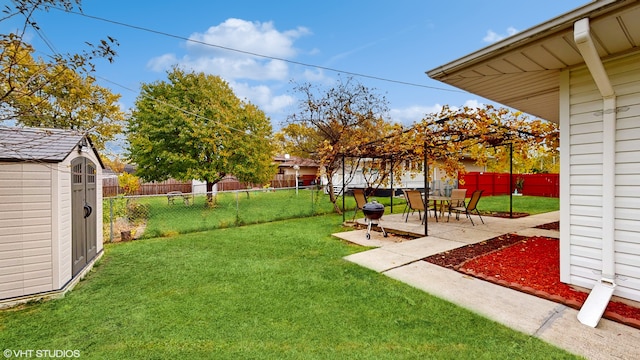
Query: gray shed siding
(25, 218)
(583, 177)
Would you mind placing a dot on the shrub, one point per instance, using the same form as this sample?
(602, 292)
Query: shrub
(137, 212)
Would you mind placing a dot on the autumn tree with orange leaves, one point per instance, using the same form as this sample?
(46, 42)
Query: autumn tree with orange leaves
(331, 121)
(59, 90)
(488, 132)
(347, 122)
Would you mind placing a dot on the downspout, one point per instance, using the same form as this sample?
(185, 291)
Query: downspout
(604, 288)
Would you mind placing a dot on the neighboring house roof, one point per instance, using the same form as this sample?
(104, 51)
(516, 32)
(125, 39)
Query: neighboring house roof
(38, 144)
(108, 172)
(284, 161)
(522, 71)
(130, 168)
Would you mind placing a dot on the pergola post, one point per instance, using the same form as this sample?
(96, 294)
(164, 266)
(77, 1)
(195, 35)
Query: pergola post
(511, 179)
(426, 188)
(343, 191)
(391, 183)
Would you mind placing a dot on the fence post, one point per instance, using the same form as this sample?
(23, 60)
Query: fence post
(110, 220)
(237, 208)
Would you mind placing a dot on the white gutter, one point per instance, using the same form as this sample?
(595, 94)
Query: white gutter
(597, 301)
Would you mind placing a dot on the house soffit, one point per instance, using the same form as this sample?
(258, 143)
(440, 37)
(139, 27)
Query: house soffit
(523, 71)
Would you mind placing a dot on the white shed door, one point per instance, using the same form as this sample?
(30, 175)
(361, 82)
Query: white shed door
(83, 215)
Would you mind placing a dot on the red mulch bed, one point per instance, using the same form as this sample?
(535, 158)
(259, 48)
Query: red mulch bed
(550, 226)
(528, 264)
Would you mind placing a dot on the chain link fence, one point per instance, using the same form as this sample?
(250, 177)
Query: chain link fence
(135, 217)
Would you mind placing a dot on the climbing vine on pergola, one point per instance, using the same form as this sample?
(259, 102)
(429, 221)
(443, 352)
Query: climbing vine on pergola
(450, 135)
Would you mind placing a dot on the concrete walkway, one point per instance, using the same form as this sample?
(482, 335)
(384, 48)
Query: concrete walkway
(552, 322)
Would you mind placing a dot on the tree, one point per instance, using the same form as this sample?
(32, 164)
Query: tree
(446, 137)
(194, 127)
(116, 164)
(331, 121)
(298, 139)
(59, 92)
(54, 95)
(129, 183)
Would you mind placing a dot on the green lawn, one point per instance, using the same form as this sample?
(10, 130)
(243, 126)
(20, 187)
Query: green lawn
(230, 209)
(527, 204)
(278, 290)
(257, 206)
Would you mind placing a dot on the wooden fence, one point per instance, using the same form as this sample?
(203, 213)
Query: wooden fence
(110, 187)
(498, 183)
(279, 181)
(230, 183)
(288, 181)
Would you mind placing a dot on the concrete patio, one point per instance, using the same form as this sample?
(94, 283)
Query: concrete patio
(399, 258)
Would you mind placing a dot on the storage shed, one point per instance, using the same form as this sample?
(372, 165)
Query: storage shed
(50, 212)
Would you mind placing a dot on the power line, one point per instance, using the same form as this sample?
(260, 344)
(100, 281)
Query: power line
(259, 55)
(49, 44)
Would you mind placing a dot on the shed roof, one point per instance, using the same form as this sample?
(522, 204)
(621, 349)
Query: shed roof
(523, 71)
(38, 144)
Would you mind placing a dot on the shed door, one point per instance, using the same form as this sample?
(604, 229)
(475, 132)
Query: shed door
(83, 215)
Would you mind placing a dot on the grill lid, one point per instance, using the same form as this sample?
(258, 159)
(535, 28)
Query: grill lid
(373, 206)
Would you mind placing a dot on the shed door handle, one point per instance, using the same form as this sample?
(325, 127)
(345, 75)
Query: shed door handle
(87, 210)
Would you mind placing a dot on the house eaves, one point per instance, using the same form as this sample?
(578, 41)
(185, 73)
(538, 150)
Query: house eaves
(523, 71)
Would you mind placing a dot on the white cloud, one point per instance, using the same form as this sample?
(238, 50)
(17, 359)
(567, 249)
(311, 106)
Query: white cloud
(237, 68)
(245, 71)
(162, 63)
(492, 36)
(408, 116)
(262, 96)
(252, 37)
(473, 104)
(317, 76)
(249, 38)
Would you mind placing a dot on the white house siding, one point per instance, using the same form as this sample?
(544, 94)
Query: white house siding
(582, 177)
(25, 217)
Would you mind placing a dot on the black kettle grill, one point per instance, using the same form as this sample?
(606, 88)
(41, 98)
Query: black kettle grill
(373, 211)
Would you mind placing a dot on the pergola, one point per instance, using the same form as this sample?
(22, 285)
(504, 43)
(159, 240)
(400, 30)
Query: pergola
(432, 146)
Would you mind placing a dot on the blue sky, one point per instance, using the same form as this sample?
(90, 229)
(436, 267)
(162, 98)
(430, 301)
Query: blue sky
(393, 43)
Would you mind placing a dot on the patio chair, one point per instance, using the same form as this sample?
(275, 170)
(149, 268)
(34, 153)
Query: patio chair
(470, 207)
(458, 199)
(361, 200)
(406, 202)
(415, 202)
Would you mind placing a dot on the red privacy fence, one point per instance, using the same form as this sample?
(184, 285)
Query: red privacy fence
(498, 183)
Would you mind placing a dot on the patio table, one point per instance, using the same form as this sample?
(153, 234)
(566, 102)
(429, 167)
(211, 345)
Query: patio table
(442, 200)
